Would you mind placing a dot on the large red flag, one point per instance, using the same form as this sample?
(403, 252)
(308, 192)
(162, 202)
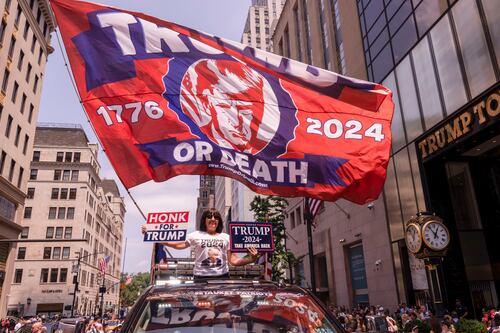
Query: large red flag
(167, 100)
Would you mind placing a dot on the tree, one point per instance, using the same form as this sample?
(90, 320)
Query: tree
(130, 292)
(272, 210)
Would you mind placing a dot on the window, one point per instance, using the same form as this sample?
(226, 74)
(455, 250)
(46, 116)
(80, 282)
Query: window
(64, 194)
(25, 233)
(21, 253)
(292, 219)
(7, 5)
(47, 251)
(18, 135)
(61, 213)
(53, 274)
(36, 156)
(63, 275)
(27, 212)
(59, 232)
(33, 174)
(14, 92)
(28, 73)
(298, 215)
(74, 175)
(25, 144)
(23, 104)
(30, 115)
(33, 43)
(18, 276)
(55, 193)
(3, 157)
(65, 252)
(5, 81)
(12, 46)
(18, 16)
(72, 193)
(49, 233)
(68, 157)
(35, 86)
(40, 56)
(66, 174)
(76, 157)
(44, 275)
(71, 213)
(52, 213)
(20, 177)
(30, 194)
(9, 126)
(59, 156)
(11, 171)
(26, 30)
(2, 30)
(68, 232)
(57, 174)
(56, 253)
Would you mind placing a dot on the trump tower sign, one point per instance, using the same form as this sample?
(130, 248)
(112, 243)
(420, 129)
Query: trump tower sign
(251, 234)
(167, 100)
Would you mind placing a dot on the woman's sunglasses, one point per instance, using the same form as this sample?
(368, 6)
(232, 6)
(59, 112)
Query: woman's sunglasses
(213, 215)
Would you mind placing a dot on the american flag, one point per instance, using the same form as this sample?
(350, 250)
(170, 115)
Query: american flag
(312, 208)
(103, 264)
(266, 261)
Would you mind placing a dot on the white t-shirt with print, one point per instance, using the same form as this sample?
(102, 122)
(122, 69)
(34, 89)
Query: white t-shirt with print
(210, 253)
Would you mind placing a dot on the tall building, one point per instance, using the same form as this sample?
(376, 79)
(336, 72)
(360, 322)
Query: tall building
(25, 29)
(206, 196)
(258, 27)
(441, 61)
(67, 200)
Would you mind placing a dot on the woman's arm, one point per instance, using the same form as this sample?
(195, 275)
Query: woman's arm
(237, 261)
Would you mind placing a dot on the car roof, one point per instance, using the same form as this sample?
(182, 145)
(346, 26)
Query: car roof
(226, 285)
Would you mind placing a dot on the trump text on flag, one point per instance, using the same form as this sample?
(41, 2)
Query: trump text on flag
(167, 227)
(250, 234)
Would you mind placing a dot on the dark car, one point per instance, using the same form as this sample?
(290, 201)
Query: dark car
(223, 306)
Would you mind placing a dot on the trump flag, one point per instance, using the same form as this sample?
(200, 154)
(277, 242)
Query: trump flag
(167, 100)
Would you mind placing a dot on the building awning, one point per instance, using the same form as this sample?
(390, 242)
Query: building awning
(49, 307)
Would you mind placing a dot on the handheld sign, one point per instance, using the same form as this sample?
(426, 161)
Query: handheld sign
(166, 227)
(251, 234)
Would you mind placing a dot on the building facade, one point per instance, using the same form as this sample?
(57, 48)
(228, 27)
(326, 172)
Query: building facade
(206, 197)
(69, 213)
(440, 59)
(25, 29)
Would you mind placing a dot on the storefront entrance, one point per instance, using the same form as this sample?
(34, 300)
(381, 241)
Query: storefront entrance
(462, 178)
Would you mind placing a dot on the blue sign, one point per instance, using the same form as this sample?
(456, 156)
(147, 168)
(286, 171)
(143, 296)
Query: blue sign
(165, 235)
(251, 234)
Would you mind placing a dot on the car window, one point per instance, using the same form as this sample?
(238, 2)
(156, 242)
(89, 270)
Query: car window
(232, 310)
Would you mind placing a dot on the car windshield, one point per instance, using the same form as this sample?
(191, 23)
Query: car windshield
(221, 309)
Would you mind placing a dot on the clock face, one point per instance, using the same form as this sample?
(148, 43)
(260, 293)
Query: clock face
(436, 236)
(413, 239)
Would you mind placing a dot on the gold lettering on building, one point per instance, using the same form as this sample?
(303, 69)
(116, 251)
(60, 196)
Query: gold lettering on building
(462, 124)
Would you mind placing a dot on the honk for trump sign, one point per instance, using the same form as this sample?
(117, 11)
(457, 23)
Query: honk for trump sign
(167, 100)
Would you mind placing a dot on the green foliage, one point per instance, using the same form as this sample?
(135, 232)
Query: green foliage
(132, 291)
(423, 327)
(272, 210)
(470, 326)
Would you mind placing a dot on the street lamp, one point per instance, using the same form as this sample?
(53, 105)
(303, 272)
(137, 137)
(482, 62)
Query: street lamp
(76, 269)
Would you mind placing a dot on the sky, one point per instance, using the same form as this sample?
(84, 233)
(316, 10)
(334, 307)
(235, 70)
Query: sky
(59, 104)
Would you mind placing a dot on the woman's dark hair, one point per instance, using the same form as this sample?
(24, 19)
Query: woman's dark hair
(209, 213)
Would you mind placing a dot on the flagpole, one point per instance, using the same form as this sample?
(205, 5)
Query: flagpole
(308, 217)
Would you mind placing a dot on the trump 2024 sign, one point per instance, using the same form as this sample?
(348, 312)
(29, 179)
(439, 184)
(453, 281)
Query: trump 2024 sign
(251, 234)
(167, 100)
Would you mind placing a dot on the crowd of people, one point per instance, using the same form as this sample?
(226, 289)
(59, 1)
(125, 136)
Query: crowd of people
(410, 319)
(41, 324)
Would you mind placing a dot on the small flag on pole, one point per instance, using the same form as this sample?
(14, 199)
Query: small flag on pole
(103, 264)
(312, 208)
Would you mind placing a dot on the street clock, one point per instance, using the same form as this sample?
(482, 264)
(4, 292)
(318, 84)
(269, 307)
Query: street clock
(426, 236)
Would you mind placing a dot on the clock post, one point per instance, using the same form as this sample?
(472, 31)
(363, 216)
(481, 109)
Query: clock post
(428, 238)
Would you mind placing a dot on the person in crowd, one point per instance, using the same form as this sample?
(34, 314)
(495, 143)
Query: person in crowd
(460, 309)
(495, 327)
(392, 325)
(37, 327)
(211, 248)
(446, 327)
